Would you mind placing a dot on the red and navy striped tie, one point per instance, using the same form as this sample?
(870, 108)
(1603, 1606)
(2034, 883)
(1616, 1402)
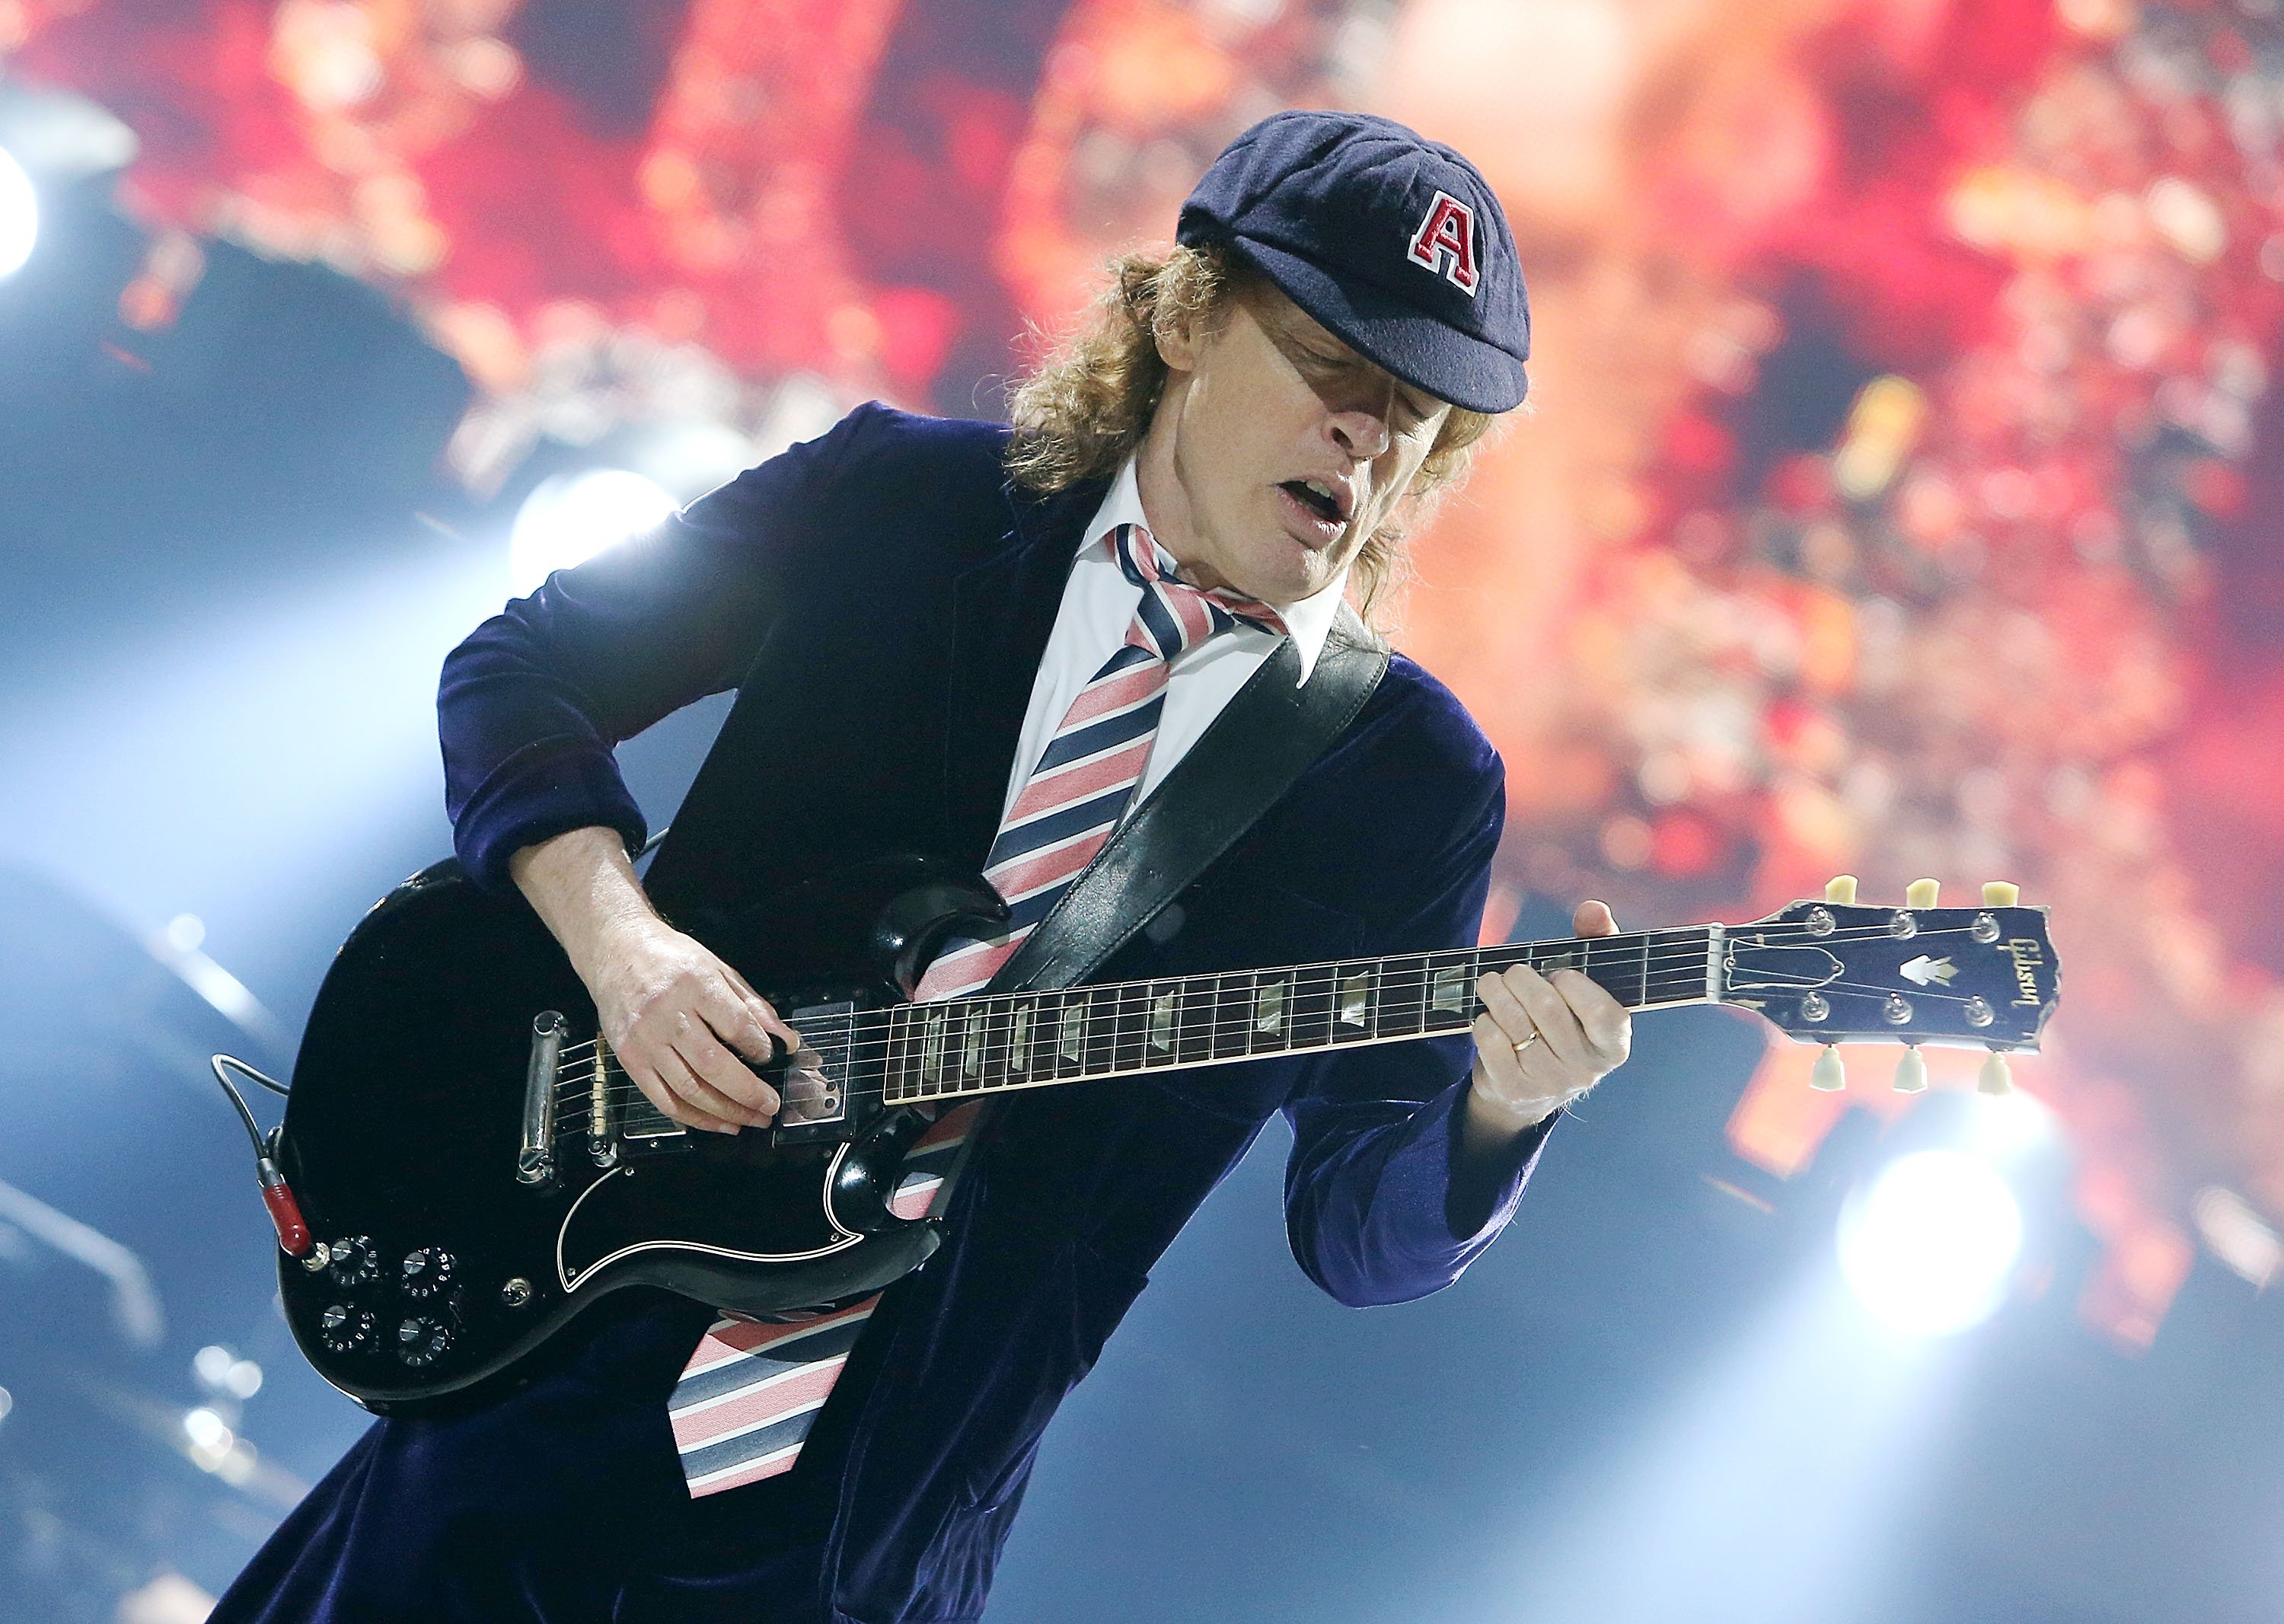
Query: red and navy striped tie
(1078, 792)
(750, 1394)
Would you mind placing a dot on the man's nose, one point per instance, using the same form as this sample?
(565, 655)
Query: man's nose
(1361, 430)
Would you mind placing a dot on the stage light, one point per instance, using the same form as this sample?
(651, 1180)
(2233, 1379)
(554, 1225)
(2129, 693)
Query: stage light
(20, 216)
(2009, 1127)
(570, 518)
(1928, 1247)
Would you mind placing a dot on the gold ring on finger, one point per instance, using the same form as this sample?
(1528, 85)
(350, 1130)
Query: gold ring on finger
(1526, 1042)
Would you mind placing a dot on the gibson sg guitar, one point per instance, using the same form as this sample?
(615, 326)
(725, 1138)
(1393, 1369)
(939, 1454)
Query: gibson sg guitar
(463, 1165)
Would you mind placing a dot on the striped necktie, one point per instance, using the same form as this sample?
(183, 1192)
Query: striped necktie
(1079, 790)
(750, 1393)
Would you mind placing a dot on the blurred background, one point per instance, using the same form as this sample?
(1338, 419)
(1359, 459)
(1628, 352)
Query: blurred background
(1900, 496)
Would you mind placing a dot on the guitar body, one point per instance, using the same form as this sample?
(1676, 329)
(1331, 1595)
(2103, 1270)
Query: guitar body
(439, 1272)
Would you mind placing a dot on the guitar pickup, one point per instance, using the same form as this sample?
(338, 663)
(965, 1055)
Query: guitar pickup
(828, 1031)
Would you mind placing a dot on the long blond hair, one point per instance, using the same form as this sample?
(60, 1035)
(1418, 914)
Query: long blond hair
(1083, 409)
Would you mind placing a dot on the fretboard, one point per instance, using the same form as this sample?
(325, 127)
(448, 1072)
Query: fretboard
(996, 1043)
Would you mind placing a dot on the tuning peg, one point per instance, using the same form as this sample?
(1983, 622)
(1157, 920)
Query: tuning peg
(1828, 1076)
(1996, 1077)
(1841, 889)
(1921, 894)
(1911, 1073)
(2000, 893)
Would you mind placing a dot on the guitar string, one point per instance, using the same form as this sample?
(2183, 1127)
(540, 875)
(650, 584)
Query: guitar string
(873, 1030)
(965, 1082)
(868, 1035)
(994, 1052)
(1630, 962)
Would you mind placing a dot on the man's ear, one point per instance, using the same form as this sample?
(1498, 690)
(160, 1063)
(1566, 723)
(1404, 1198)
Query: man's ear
(1180, 342)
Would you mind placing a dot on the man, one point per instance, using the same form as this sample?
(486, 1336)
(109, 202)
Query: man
(990, 649)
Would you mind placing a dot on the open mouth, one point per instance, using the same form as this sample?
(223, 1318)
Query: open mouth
(1315, 496)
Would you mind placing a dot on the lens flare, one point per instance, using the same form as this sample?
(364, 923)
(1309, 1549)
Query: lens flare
(1928, 1246)
(20, 216)
(570, 518)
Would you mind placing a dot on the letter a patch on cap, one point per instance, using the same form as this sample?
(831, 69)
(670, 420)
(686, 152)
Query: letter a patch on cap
(1445, 242)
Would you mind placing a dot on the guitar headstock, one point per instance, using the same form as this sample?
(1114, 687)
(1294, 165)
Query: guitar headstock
(1838, 971)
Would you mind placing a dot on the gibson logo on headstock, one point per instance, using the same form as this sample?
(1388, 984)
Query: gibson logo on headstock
(2024, 951)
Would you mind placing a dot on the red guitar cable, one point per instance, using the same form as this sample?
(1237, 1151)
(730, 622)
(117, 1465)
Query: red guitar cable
(276, 1195)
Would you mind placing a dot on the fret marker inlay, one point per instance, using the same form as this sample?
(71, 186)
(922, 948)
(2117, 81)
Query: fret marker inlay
(1268, 1007)
(1074, 1044)
(932, 1047)
(1451, 991)
(1019, 1040)
(1355, 997)
(1162, 1022)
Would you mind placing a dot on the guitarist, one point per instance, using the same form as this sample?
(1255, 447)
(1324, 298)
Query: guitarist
(988, 647)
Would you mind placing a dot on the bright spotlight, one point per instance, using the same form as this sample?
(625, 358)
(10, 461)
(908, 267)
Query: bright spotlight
(571, 517)
(20, 216)
(1928, 1246)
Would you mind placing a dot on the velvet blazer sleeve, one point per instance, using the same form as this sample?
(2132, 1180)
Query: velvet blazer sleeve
(531, 703)
(1382, 1203)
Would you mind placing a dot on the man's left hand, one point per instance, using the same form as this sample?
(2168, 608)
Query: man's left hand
(1543, 1040)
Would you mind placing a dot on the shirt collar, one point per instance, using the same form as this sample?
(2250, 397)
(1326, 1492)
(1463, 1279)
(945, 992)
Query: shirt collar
(1310, 620)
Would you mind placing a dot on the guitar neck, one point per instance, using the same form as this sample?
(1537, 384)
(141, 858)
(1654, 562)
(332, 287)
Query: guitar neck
(968, 1047)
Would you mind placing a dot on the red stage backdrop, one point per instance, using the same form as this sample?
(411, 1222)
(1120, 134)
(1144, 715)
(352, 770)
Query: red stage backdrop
(1894, 500)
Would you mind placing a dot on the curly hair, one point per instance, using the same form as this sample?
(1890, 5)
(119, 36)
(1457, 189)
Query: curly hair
(1086, 408)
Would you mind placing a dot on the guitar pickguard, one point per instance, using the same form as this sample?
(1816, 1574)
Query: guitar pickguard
(724, 1211)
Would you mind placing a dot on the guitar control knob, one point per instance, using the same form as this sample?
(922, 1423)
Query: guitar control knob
(425, 1272)
(354, 1262)
(344, 1328)
(422, 1340)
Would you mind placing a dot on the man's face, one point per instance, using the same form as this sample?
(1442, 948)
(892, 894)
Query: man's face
(1286, 450)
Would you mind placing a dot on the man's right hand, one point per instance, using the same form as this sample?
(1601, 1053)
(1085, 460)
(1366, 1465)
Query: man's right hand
(679, 1020)
(679, 1017)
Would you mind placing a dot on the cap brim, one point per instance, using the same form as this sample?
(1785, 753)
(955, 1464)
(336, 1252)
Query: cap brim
(1417, 349)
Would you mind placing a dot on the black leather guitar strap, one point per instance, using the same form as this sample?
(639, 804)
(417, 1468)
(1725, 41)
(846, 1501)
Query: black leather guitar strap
(1263, 739)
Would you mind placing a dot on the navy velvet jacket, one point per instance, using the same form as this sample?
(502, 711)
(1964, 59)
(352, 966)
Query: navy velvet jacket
(880, 598)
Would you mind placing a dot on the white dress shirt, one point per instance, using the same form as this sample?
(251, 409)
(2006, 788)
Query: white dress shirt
(1097, 608)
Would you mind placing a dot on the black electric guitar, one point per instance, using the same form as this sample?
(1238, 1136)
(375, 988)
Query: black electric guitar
(476, 1168)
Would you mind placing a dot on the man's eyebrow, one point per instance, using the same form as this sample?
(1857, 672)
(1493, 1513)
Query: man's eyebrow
(1421, 405)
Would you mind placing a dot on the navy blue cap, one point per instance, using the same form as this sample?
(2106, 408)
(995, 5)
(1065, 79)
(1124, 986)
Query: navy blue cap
(1394, 242)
